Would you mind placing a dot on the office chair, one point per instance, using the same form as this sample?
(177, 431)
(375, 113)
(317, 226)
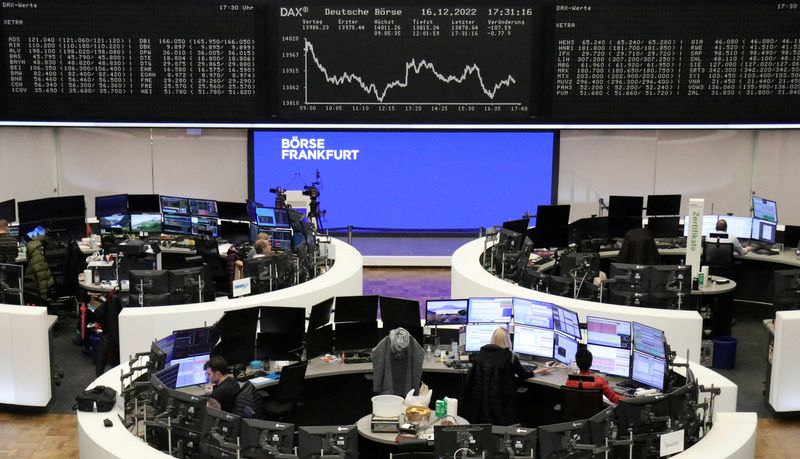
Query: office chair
(217, 266)
(283, 400)
(718, 256)
(579, 403)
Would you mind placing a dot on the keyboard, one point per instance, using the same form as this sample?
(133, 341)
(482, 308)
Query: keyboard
(765, 252)
(357, 357)
(529, 366)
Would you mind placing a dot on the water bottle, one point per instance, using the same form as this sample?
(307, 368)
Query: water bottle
(428, 354)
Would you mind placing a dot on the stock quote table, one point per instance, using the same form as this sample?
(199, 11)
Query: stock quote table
(256, 61)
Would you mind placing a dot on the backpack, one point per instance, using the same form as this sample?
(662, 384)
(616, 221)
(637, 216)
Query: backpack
(98, 399)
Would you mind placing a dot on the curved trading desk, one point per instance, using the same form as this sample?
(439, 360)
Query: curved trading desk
(25, 355)
(732, 436)
(138, 327)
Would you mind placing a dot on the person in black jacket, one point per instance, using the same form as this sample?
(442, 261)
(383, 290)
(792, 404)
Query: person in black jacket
(490, 397)
(224, 386)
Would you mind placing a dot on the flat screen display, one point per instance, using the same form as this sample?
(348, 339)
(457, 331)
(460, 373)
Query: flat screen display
(446, 312)
(533, 341)
(709, 224)
(648, 340)
(479, 335)
(764, 209)
(648, 370)
(191, 371)
(8, 210)
(486, 310)
(566, 321)
(608, 332)
(110, 205)
(146, 223)
(434, 173)
(610, 360)
(764, 231)
(564, 348)
(203, 208)
(174, 205)
(115, 223)
(739, 227)
(532, 312)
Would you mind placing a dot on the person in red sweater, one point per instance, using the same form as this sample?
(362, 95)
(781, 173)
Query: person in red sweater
(583, 358)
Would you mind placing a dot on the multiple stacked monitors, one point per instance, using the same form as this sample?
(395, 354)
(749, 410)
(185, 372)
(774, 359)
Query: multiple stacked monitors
(566, 321)
(532, 312)
(534, 341)
(610, 360)
(608, 332)
(648, 340)
(479, 335)
(648, 370)
(564, 348)
(663, 204)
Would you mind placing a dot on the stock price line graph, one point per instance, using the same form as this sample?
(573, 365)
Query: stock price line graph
(384, 64)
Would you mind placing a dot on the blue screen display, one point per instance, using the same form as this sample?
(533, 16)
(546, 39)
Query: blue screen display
(410, 180)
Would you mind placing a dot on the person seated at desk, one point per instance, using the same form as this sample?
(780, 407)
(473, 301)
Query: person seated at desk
(490, 397)
(223, 386)
(722, 228)
(260, 251)
(583, 358)
(8, 245)
(638, 248)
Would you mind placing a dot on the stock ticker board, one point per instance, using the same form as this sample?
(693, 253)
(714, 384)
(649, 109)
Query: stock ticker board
(261, 61)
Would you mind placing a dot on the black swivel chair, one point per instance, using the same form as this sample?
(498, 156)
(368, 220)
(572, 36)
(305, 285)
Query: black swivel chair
(579, 403)
(282, 401)
(718, 256)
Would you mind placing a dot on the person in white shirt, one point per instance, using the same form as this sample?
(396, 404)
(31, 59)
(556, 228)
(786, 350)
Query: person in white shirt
(722, 227)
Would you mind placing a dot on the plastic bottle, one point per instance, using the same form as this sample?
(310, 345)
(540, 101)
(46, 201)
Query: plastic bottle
(428, 354)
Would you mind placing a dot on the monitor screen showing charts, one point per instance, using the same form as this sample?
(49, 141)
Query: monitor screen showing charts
(648, 340)
(610, 360)
(649, 370)
(533, 341)
(564, 348)
(479, 335)
(191, 371)
(566, 321)
(532, 312)
(487, 310)
(608, 332)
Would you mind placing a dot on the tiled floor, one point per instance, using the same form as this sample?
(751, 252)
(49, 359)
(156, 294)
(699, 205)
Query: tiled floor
(56, 436)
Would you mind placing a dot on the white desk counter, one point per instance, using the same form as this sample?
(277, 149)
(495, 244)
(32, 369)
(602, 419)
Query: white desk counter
(25, 355)
(138, 327)
(783, 393)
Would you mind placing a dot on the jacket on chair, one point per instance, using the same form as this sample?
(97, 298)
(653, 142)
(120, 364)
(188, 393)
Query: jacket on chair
(490, 395)
(396, 376)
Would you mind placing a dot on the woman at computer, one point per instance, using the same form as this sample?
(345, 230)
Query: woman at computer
(491, 395)
(583, 358)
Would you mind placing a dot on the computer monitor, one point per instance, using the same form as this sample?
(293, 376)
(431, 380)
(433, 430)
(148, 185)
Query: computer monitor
(320, 314)
(630, 277)
(279, 346)
(8, 210)
(564, 348)
(233, 211)
(648, 370)
(336, 441)
(709, 224)
(68, 207)
(168, 376)
(239, 322)
(194, 341)
(476, 438)
(190, 370)
(786, 287)
(399, 312)
(146, 223)
(552, 216)
(517, 226)
(549, 236)
(177, 224)
(157, 359)
(610, 360)
(532, 312)
(446, 312)
(260, 271)
(356, 308)
(35, 210)
(740, 227)
(33, 231)
(791, 237)
(671, 278)
(148, 282)
(188, 411)
(561, 286)
(191, 285)
(278, 319)
(648, 340)
(479, 335)
(220, 434)
(116, 223)
(764, 209)
(514, 441)
(488, 310)
(67, 229)
(664, 227)
(233, 232)
(625, 206)
(110, 205)
(282, 219)
(763, 231)
(566, 321)
(203, 208)
(560, 440)
(205, 226)
(237, 350)
(581, 266)
(528, 341)
(319, 341)
(167, 346)
(608, 332)
(265, 439)
(356, 336)
(265, 216)
(175, 205)
(144, 204)
(642, 415)
(663, 204)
